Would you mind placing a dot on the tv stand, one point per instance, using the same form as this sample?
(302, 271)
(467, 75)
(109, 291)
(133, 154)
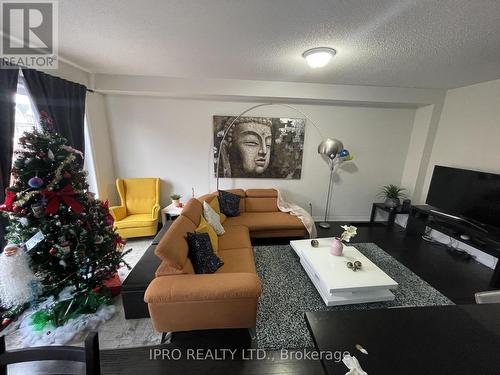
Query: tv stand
(458, 218)
(424, 216)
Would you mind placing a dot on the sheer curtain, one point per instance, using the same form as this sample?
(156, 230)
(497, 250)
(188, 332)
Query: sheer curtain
(8, 89)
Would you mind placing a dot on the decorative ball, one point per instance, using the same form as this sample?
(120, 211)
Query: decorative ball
(344, 153)
(357, 264)
(6, 322)
(350, 265)
(314, 243)
(16, 208)
(41, 154)
(24, 211)
(53, 251)
(35, 182)
(67, 175)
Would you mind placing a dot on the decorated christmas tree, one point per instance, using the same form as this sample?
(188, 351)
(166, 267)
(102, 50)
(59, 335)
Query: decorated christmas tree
(58, 228)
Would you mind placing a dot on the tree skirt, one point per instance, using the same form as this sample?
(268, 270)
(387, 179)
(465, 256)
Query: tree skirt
(74, 330)
(287, 293)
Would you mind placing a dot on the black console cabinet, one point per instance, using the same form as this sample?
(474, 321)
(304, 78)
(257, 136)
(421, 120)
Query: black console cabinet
(422, 216)
(137, 281)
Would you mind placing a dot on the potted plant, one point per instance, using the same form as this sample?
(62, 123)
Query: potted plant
(392, 194)
(175, 199)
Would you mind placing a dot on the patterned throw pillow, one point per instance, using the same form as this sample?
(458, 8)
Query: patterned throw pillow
(201, 254)
(204, 227)
(229, 203)
(213, 219)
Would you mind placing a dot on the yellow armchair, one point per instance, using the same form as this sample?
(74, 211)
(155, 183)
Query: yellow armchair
(137, 215)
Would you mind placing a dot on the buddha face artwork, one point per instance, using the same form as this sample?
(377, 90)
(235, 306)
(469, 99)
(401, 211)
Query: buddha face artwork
(258, 147)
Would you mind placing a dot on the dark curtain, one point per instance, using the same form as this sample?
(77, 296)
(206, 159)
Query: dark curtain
(63, 100)
(8, 89)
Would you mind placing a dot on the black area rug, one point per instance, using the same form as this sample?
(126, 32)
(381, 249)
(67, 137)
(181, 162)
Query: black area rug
(288, 293)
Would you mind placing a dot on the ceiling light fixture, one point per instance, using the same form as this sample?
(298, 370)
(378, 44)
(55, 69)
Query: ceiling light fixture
(318, 57)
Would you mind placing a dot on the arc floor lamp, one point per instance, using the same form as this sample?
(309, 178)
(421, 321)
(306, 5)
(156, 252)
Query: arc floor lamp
(328, 148)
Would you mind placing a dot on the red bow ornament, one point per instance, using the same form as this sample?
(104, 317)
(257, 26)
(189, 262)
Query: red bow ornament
(8, 205)
(66, 194)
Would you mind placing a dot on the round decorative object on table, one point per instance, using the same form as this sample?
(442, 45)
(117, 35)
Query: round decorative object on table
(336, 247)
(314, 243)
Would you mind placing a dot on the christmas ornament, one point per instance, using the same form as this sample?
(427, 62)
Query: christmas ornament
(98, 240)
(53, 251)
(6, 322)
(67, 175)
(50, 155)
(35, 182)
(24, 211)
(41, 154)
(8, 205)
(38, 210)
(62, 263)
(65, 247)
(18, 284)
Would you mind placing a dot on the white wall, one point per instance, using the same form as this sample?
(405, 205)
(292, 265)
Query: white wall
(172, 139)
(100, 151)
(468, 135)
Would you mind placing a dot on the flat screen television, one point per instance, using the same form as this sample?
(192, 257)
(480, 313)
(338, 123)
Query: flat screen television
(470, 195)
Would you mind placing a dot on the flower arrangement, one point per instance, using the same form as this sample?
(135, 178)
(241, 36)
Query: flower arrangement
(349, 232)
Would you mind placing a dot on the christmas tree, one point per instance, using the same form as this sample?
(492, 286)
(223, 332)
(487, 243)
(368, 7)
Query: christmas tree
(65, 232)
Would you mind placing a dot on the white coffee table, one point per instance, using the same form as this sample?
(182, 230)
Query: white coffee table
(337, 284)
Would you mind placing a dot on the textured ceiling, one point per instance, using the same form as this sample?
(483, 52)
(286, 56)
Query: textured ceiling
(403, 43)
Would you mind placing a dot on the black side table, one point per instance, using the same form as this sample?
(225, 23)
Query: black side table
(393, 212)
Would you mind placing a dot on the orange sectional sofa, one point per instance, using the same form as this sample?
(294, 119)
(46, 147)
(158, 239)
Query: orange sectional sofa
(180, 300)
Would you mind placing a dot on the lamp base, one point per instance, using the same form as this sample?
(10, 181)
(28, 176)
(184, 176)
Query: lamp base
(324, 225)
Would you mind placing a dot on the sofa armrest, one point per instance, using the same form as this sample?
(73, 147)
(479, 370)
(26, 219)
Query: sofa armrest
(118, 212)
(154, 212)
(203, 287)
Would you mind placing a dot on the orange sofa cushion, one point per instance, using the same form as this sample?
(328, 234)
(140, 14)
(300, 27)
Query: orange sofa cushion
(259, 221)
(237, 261)
(261, 205)
(193, 210)
(236, 236)
(173, 247)
(262, 193)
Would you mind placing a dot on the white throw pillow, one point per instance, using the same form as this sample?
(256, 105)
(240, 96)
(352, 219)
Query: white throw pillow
(213, 219)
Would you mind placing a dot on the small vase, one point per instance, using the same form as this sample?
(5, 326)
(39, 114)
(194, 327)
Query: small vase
(175, 202)
(336, 247)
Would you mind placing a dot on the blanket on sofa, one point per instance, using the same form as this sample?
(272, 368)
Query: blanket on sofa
(298, 211)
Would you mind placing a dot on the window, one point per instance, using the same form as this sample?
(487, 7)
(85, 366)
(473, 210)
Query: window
(27, 117)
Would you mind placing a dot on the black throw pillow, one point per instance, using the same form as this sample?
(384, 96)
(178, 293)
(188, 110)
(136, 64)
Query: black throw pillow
(201, 253)
(229, 203)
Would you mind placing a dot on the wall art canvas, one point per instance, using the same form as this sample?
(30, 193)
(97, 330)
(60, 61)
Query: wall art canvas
(259, 147)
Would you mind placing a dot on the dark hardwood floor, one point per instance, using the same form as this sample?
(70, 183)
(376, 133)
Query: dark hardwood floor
(453, 276)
